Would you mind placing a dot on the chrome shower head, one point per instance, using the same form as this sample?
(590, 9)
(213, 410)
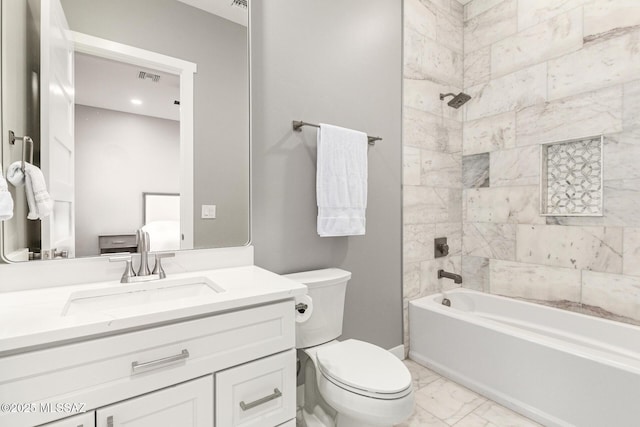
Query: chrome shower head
(457, 101)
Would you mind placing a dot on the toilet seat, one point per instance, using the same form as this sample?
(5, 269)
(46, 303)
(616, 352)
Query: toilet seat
(365, 369)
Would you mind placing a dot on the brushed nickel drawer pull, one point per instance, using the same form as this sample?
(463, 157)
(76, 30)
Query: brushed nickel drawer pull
(136, 366)
(246, 406)
(118, 242)
(110, 421)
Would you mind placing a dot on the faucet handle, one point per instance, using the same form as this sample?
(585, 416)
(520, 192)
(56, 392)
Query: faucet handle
(157, 268)
(128, 269)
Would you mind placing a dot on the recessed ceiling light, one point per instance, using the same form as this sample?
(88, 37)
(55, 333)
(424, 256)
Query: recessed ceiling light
(136, 101)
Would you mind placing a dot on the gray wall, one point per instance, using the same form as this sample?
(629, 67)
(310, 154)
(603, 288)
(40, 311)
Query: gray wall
(108, 143)
(333, 62)
(219, 48)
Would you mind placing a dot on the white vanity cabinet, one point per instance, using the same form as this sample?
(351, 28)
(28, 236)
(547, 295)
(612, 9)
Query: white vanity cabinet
(87, 419)
(186, 405)
(156, 374)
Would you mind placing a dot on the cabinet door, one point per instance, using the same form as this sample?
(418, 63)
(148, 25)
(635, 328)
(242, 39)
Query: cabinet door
(82, 420)
(188, 404)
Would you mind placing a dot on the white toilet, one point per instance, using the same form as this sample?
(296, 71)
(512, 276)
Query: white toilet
(347, 383)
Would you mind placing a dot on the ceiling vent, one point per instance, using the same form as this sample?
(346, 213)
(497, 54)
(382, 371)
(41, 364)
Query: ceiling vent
(153, 77)
(239, 3)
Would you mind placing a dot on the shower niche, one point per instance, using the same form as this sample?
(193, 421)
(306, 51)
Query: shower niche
(571, 179)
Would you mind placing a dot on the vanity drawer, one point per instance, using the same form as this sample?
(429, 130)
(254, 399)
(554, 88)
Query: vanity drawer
(261, 393)
(101, 371)
(117, 243)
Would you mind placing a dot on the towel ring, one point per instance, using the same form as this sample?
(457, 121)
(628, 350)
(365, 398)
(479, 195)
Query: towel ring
(25, 139)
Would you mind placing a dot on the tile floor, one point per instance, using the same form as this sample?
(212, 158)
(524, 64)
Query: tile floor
(442, 403)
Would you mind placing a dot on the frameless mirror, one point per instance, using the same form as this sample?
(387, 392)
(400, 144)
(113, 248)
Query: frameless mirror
(139, 110)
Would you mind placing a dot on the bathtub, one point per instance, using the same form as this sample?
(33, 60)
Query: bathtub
(557, 367)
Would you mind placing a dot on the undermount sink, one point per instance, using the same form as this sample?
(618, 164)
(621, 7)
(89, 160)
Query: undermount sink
(129, 295)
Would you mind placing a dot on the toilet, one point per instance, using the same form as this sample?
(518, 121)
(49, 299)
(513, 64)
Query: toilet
(348, 383)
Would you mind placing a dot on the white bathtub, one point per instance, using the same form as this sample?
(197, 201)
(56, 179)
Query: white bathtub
(556, 367)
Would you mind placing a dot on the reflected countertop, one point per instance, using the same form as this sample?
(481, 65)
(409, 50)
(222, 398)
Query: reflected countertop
(37, 319)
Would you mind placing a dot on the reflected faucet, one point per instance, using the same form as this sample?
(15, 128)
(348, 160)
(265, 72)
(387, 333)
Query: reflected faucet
(144, 273)
(455, 277)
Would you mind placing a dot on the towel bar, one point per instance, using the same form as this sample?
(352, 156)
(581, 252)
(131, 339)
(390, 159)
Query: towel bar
(25, 139)
(298, 124)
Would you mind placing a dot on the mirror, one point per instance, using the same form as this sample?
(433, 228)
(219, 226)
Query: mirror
(140, 118)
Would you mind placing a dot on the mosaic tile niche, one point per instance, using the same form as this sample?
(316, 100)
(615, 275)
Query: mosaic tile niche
(571, 177)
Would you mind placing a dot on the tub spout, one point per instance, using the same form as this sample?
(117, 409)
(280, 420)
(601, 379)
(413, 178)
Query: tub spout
(455, 277)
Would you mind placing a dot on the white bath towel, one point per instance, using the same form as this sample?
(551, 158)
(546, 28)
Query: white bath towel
(38, 198)
(6, 201)
(341, 181)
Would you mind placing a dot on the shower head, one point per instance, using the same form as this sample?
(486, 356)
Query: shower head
(457, 101)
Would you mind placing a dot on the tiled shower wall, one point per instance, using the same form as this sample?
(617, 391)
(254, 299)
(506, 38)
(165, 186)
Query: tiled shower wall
(538, 71)
(542, 71)
(432, 139)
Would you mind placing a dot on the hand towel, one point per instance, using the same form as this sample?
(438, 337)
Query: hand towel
(38, 198)
(341, 181)
(6, 201)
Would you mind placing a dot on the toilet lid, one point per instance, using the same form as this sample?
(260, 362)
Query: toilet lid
(364, 366)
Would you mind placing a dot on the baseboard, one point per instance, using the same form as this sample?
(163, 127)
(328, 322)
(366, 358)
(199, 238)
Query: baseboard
(398, 351)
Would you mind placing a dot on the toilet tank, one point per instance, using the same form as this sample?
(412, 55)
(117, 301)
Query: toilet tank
(327, 289)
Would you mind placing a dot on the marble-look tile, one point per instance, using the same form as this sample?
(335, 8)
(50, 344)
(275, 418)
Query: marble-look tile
(420, 375)
(425, 205)
(615, 293)
(418, 242)
(422, 418)
(475, 273)
(443, 5)
(453, 232)
(475, 171)
(500, 416)
(621, 207)
(474, 420)
(631, 105)
(419, 18)
(518, 205)
(434, 62)
(537, 11)
(597, 65)
(457, 11)
(618, 149)
(448, 401)
(475, 8)
(550, 39)
(414, 54)
(449, 31)
(477, 67)
(581, 248)
(609, 16)
(586, 114)
(517, 166)
(454, 197)
(489, 134)
(424, 95)
(410, 279)
(440, 169)
(514, 91)
(533, 281)
(411, 161)
(489, 240)
(490, 26)
(431, 132)
(631, 251)
(429, 282)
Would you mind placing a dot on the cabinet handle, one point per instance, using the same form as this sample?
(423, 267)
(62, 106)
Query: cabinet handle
(118, 242)
(137, 366)
(110, 421)
(246, 406)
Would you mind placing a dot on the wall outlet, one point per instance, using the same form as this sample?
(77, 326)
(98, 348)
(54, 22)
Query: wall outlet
(208, 212)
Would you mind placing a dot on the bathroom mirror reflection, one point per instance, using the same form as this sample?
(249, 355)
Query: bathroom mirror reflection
(137, 97)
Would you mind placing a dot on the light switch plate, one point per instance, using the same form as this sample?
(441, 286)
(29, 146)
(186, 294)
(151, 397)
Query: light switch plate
(208, 212)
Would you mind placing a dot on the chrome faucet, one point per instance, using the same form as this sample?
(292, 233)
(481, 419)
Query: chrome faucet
(455, 277)
(144, 273)
(142, 238)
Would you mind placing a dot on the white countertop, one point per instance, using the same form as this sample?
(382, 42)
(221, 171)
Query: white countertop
(35, 318)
